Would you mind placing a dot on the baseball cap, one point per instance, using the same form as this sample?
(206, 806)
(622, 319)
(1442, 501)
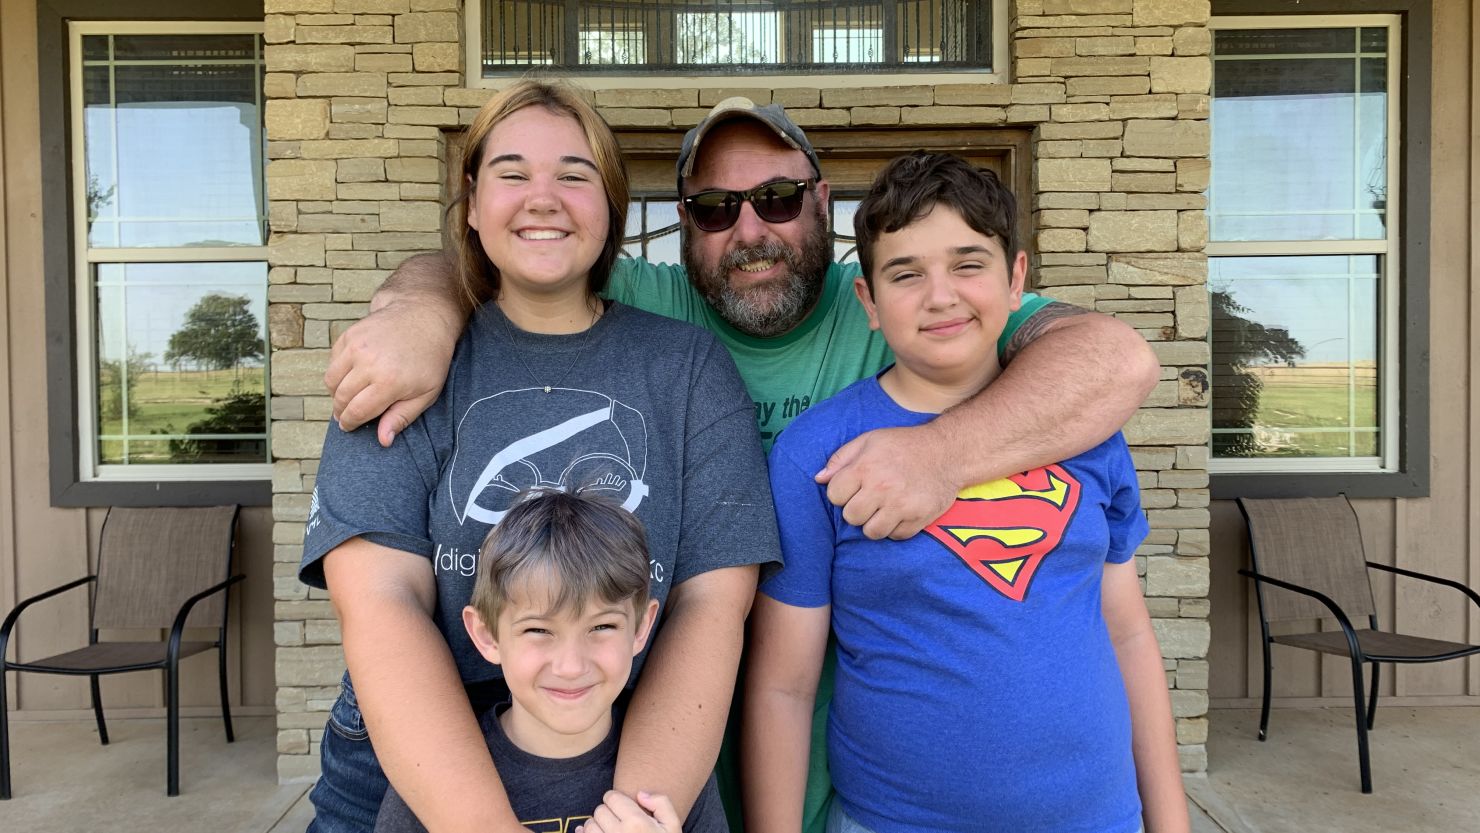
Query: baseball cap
(739, 107)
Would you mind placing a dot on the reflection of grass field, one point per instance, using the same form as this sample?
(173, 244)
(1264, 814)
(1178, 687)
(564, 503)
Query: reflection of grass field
(1317, 396)
(169, 402)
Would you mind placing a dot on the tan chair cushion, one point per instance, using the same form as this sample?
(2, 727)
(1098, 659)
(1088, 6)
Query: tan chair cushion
(113, 655)
(1375, 644)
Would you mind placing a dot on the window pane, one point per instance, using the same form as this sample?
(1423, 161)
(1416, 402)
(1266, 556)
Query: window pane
(1295, 356)
(719, 38)
(624, 46)
(652, 230)
(181, 350)
(175, 48)
(844, 249)
(847, 46)
(1299, 127)
(708, 37)
(173, 134)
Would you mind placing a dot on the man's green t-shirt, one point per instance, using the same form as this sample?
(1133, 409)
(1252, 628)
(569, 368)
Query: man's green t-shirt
(830, 350)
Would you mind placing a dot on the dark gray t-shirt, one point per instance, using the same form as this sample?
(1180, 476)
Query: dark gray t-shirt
(646, 410)
(553, 795)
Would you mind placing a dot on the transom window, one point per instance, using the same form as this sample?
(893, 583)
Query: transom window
(706, 37)
(170, 216)
(1303, 243)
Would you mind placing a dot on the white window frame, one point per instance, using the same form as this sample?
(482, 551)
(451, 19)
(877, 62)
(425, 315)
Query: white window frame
(89, 469)
(1389, 249)
(1000, 74)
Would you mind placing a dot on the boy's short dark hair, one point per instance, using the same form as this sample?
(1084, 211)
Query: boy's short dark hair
(586, 546)
(911, 185)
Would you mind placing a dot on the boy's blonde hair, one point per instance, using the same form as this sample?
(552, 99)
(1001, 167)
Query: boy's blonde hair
(586, 547)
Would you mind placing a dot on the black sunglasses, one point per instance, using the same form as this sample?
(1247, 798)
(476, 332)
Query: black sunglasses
(774, 202)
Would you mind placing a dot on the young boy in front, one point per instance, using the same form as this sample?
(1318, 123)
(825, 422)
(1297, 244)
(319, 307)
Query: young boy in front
(561, 604)
(998, 670)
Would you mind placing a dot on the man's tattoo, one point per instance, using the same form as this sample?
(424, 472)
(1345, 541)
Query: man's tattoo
(1041, 322)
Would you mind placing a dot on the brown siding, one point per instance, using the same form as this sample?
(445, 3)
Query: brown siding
(42, 546)
(1440, 533)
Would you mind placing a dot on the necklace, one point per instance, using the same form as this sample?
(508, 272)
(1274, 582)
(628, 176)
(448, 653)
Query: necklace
(580, 350)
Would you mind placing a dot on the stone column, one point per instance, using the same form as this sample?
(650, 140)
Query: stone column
(1122, 90)
(356, 107)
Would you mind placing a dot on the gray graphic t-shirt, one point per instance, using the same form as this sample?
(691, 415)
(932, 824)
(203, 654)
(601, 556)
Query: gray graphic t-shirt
(644, 409)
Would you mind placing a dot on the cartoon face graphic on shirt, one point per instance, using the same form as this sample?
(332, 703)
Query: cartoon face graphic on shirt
(580, 440)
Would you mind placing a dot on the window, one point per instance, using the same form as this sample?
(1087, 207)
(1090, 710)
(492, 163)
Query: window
(169, 227)
(1304, 247)
(705, 37)
(611, 46)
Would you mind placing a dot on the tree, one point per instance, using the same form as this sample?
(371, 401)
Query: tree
(1242, 344)
(219, 333)
(240, 412)
(721, 38)
(111, 373)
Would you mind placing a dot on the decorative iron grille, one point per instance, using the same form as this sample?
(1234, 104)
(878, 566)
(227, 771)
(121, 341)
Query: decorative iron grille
(748, 36)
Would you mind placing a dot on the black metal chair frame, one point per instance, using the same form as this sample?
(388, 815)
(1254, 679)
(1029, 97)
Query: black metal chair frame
(1366, 714)
(170, 665)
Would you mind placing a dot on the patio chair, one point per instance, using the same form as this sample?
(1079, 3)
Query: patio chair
(1308, 563)
(163, 569)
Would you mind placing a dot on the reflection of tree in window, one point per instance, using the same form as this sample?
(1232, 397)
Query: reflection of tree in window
(239, 412)
(741, 38)
(111, 375)
(219, 333)
(1243, 344)
(621, 47)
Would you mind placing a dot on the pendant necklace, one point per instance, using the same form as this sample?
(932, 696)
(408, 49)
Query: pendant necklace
(575, 359)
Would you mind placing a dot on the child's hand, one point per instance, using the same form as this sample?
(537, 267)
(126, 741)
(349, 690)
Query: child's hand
(618, 813)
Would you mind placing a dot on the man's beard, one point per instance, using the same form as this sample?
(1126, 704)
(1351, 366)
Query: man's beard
(776, 306)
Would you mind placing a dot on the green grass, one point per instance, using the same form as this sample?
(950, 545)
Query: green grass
(1287, 405)
(167, 402)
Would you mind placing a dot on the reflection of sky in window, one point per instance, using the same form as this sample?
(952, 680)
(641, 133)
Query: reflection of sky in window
(719, 38)
(1299, 167)
(149, 301)
(623, 46)
(847, 46)
(186, 174)
(842, 223)
(1317, 299)
(658, 214)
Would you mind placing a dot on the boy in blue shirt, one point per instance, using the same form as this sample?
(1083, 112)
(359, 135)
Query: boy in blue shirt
(998, 670)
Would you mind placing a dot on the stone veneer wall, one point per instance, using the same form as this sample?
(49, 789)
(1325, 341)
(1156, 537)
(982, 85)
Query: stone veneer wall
(359, 93)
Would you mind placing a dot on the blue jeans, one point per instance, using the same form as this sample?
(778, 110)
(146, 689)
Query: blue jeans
(347, 797)
(351, 784)
(840, 822)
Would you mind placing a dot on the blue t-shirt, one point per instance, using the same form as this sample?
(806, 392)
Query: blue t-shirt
(977, 688)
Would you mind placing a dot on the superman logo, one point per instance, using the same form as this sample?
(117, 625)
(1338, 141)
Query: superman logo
(1003, 529)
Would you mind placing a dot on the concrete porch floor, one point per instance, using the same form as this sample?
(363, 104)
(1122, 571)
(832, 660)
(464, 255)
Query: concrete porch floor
(1426, 773)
